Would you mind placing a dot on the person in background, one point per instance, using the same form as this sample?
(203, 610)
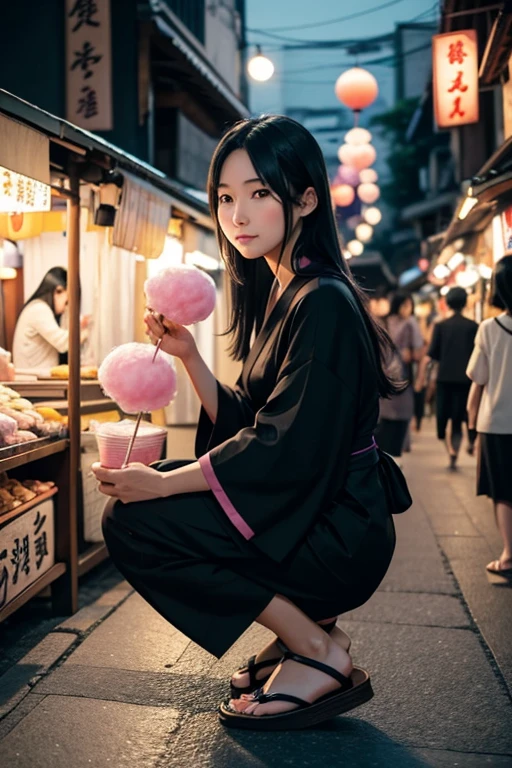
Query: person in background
(490, 409)
(397, 411)
(451, 346)
(38, 338)
(424, 314)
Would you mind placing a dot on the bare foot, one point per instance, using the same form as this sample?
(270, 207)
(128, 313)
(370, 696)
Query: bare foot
(271, 651)
(298, 680)
(503, 564)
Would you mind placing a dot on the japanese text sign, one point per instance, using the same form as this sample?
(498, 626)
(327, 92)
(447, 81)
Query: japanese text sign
(27, 550)
(455, 73)
(88, 64)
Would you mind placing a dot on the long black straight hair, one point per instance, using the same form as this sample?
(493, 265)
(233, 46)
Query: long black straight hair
(288, 159)
(57, 277)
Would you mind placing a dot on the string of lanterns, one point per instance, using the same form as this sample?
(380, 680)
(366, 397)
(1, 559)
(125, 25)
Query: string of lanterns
(357, 89)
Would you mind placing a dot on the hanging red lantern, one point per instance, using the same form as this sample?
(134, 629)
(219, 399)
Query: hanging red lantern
(343, 195)
(356, 88)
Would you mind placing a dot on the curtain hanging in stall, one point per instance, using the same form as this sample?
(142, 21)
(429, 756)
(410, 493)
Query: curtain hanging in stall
(142, 218)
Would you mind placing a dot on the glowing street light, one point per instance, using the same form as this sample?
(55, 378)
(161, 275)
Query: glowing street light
(260, 68)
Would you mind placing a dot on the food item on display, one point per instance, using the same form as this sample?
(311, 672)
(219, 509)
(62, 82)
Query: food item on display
(19, 491)
(49, 414)
(11, 394)
(7, 501)
(20, 404)
(182, 294)
(129, 376)
(37, 486)
(62, 372)
(21, 436)
(23, 421)
(8, 427)
(88, 372)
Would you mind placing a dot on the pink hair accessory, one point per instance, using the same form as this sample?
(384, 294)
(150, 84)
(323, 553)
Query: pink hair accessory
(182, 294)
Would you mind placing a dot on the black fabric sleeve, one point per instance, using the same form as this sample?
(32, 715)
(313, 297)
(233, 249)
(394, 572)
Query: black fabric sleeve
(234, 412)
(434, 350)
(279, 473)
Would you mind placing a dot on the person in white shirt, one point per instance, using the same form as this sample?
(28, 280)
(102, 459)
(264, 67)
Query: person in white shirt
(490, 409)
(38, 337)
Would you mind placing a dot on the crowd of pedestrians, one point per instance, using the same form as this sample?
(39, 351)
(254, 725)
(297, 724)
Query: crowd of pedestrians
(462, 371)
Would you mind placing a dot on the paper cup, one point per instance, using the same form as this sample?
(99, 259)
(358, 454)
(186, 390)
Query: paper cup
(147, 447)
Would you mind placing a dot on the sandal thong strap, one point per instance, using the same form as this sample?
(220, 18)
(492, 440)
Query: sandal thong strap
(264, 698)
(253, 667)
(345, 682)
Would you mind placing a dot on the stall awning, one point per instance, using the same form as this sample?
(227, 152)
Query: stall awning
(94, 149)
(142, 219)
(24, 150)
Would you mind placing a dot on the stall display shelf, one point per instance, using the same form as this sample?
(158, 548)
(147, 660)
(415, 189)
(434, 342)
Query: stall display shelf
(24, 453)
(47, 578)
(28, 505)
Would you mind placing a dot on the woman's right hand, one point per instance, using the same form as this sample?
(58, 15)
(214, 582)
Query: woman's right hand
(176, 339)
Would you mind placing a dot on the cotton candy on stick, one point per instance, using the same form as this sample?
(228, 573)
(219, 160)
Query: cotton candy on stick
(137, 382)
(183, 294)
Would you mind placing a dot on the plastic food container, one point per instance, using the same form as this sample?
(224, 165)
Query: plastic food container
(114, 439)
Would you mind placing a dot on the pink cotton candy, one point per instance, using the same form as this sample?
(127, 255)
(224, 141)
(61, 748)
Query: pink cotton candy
(129, 377)
(183, 294)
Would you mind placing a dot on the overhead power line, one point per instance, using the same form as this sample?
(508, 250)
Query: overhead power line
(380, 7)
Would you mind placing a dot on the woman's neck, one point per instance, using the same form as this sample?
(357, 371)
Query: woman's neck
(281, 266)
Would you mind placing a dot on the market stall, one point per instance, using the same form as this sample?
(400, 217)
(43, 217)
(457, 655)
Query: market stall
(82, 204)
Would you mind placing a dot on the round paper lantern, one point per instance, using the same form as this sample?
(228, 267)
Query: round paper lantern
(358, 156)
(358, 136)
(355, 247)
(343, 195)
(364, 232)
(356, 88)
(260, 68)
(373, 216)
(346, 175)
(368, 193)
(368, 175)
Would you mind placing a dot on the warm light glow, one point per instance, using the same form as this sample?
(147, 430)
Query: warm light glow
(200, 259)
(456, 260)
(368, 176)
(358, 156)
(467, 278)
(467, 206)
(373, 216)
(21, 194)
(356, 88)
(346, 175)
(444, 290)
(364, 232)
(343, 195)
(346, 254)
(355, 247)
(171, 256)
(455, 78)
(368, 193)
(485, 271)
(358, 136)
(260, 68)
(441, 271)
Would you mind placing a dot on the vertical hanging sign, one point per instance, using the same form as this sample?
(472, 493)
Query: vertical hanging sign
(455, 75)
(89, 64)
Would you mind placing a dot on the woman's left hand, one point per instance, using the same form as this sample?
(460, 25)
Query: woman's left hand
(136, 482)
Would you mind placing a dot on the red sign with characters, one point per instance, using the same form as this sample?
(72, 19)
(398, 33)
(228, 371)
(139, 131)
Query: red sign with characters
(455, 73)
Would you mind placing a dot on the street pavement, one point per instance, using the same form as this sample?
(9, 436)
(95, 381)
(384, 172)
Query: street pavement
(116, 686)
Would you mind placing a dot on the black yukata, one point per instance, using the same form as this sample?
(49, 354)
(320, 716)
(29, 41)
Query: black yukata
(297, 505)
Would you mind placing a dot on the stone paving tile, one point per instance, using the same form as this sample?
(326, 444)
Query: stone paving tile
(134, 637)
(64, 731)
(405, 608)
(17, 681)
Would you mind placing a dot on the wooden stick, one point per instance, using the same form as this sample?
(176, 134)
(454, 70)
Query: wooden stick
(128, 452)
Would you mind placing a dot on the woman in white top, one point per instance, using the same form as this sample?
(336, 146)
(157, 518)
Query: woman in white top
(490, 409)
(38, 337)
